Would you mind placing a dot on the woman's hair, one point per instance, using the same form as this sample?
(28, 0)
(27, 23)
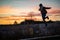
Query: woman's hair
(40, 4)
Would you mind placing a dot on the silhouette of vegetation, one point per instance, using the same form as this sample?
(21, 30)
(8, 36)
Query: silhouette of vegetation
(15, 22)
(34, 22)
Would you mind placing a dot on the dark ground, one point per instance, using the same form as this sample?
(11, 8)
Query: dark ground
(28, 30)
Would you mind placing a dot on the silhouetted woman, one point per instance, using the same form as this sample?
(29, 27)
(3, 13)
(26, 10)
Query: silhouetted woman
(43, 12)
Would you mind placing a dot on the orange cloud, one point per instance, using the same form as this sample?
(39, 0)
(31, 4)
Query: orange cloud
(5, 9)
(33, 14)
(35, 9)
(9, 9)
(21, 11)
(54, 11)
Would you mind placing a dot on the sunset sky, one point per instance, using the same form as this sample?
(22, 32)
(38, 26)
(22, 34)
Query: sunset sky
(19, 10)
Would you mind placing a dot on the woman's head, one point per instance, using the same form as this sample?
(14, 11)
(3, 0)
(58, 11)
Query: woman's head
(40, 4)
